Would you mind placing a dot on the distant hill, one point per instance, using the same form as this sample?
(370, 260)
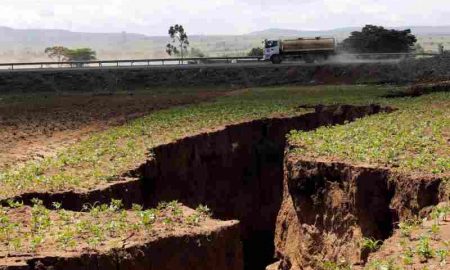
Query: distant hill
(28, 45)
(418, 30)
(275, 32)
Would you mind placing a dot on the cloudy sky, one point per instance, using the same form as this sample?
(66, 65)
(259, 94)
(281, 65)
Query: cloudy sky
(153, 17)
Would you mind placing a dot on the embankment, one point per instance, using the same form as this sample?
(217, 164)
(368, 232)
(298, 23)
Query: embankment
(232, 75)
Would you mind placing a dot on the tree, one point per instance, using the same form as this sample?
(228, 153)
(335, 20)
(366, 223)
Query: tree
(256, 52)
(82, 54)
(58, 52)
(377, 39)
(180, 41)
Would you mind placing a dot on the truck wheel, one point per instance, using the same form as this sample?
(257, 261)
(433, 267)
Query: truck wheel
(276, 59)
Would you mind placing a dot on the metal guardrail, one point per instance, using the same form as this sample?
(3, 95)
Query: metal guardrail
(174, 61)
(127, 63)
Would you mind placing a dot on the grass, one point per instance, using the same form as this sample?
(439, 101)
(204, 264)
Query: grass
(413, 139)
(36, 229)
(104, 156)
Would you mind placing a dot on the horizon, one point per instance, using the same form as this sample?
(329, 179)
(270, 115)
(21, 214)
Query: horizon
(236, 34)
(219, 17)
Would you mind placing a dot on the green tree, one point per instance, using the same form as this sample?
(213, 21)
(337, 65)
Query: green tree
(81, 54)
(57, 52)
(256, 52)
(180, 41)
(377, 39)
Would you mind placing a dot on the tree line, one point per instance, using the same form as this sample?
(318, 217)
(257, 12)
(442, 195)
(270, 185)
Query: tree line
(371, 39)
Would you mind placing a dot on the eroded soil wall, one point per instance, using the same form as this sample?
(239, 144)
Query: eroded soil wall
(237, 172)
(220, 249)
(329, 207)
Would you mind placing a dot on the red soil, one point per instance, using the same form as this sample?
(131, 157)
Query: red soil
(32, 129)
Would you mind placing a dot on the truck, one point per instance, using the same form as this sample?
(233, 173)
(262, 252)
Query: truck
(306, 49)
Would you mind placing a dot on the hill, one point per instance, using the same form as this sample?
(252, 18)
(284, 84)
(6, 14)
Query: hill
(28, 45)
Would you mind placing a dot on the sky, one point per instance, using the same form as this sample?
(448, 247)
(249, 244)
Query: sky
(153, 17)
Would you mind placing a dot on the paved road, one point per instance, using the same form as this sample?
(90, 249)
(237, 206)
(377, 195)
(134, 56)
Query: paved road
(212, 65)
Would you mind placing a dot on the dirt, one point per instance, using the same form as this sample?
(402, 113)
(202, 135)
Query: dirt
(36, 128)
(396, 246)
(329, 207)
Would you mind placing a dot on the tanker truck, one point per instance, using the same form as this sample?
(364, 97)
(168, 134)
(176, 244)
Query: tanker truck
(307, 49)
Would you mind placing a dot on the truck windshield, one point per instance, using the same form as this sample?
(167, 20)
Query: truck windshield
(271, 43)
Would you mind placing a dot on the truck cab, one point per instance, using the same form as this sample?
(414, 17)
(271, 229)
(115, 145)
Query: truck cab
(271, 49)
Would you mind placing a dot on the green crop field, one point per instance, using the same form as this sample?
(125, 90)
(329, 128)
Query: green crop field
(104, 156)
(413, 139)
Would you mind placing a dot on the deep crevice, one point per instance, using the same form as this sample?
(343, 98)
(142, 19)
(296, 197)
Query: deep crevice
(238, 173)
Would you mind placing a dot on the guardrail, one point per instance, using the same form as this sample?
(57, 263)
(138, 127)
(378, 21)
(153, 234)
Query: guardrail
(176, 61)
(127, 63)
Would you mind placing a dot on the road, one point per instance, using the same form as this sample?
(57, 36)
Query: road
(196, 66)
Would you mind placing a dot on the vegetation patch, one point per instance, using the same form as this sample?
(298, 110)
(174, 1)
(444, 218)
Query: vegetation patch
(413, 139)
(32, 231)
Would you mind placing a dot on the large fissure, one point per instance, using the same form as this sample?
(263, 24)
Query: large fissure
(238, 173)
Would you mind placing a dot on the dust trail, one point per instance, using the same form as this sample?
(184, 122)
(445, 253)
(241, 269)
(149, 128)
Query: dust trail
(350, 58)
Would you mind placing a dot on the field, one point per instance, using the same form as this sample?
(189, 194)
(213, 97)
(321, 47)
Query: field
(68, 160)
(35, 126)
(104, 156)
(413, 139)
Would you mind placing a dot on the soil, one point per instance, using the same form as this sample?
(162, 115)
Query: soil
(33, 129)
(329, 207)
(395, 246)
